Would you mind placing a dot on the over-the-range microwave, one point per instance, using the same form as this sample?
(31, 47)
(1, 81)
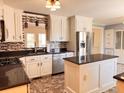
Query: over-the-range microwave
(2, 31)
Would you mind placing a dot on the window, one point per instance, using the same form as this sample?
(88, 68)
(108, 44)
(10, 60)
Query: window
(30, 40)
(42, 40)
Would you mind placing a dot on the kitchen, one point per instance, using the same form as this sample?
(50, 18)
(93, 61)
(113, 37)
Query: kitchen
(50, 51)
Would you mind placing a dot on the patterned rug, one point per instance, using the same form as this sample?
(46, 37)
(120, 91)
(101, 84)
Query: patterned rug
(52, 84)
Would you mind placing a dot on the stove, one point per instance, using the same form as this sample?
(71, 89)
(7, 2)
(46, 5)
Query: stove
(9, 61)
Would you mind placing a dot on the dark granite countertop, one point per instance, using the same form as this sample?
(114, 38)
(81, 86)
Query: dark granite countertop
(119, 77)
(23, 53)
(12, 76)
(89, 58)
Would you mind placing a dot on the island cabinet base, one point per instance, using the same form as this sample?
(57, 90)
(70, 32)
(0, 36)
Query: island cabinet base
(19, 89)
(95, 77)
(120, 87)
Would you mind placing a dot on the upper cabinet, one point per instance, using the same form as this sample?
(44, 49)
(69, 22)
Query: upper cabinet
(13, 24)
(59, 28)
(1, 9)
(9, 23)
(109, 38)
(81, 23)
(18, 25)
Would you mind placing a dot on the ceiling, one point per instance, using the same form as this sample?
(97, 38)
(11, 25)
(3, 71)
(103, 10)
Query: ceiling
(104, 12)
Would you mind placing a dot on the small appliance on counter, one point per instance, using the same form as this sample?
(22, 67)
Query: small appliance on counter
(53, 47)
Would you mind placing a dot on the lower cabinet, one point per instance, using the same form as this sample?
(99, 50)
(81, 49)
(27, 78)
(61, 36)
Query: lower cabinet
(46, 67)
(107, 70)
(37, 66)
(33, 69)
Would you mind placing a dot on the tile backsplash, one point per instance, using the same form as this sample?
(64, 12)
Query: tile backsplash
(11, 45)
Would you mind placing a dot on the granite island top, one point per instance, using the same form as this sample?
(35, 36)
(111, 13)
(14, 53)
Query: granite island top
(89, 58)
(119, 77)
(12, 76)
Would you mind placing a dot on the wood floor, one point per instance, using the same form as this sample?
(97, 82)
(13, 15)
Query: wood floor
(52, 84)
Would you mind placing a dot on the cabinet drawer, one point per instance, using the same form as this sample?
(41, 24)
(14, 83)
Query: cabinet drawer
(70, 54)
(32, 58)
(46, 58)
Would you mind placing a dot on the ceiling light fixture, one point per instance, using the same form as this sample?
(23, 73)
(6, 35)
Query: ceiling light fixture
(53, 4)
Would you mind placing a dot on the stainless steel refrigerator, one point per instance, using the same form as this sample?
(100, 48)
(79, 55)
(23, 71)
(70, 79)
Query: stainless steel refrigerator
(83, 43)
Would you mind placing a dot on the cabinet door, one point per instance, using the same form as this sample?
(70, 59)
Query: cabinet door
(107, 71)
(18, 25)
(89, 78)
(9, 23)
(109, 38)
(55, 28)
(33, 69)
(65, 29)
(79, 23)
(46, 65)
(83, 24)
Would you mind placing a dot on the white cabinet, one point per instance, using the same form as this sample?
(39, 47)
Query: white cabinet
(46, 68)
(90, 78)
(37, 66)
(9, 23)
(1, 9)
(59, 28)
(70, 54)
(13, 24)
(81, 23)
(33, 66)
(108, 69)
(109, 38)
(18, 25)
(120, 68)
(65, 29)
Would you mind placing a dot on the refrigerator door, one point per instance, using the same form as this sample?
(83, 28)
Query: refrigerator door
(83, 43)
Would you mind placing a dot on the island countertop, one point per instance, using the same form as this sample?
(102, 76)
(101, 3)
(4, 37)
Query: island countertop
(120, 77)
(89, 58)
(12, 76)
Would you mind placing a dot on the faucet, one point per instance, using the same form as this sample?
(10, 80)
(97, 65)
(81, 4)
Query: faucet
(35, 50)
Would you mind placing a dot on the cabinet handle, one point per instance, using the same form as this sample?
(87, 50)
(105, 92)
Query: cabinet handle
(20, 37)
(32, 59)
(41, 64)
(7, 33)
(46, 57)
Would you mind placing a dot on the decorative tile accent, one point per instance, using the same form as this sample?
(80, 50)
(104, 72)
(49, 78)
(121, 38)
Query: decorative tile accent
(11, 45)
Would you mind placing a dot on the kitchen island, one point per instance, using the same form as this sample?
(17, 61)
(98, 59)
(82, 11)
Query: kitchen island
(90, 74)
(120, 82)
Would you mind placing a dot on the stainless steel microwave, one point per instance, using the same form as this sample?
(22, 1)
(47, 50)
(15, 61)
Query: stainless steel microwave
(2, 31)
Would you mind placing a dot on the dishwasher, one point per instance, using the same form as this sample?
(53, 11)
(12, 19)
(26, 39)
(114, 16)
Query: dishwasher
(58, 63)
